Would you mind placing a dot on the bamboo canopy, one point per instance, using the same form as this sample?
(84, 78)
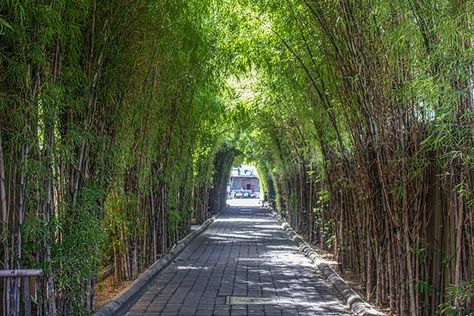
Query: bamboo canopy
(120, 121)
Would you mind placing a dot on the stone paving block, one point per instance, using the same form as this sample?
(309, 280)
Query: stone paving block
(244, 253)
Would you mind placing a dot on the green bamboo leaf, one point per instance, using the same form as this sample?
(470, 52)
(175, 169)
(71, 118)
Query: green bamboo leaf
(4, 24)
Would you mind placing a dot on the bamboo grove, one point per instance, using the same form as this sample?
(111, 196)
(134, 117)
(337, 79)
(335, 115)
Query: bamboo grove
(119, 121)
(366, 125)
(109, 129)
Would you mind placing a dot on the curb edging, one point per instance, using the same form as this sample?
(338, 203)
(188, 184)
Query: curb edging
(352, 299)
(121, 300)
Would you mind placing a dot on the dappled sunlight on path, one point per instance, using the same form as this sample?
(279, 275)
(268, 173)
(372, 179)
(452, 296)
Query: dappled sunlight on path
(244, 264)
(244, 202)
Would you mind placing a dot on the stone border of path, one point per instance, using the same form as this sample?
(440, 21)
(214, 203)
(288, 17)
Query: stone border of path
(124, 298)
(356, 303)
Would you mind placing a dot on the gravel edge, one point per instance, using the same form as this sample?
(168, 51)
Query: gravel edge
(352, 299)
(123, 299)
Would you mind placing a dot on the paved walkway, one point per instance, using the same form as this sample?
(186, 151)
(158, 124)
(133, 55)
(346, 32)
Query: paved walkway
(245, 253)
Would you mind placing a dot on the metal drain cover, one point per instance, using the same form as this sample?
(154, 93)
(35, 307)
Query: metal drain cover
(247, 300)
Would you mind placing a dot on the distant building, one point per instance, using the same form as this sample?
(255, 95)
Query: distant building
(244, 170)
(244, 182)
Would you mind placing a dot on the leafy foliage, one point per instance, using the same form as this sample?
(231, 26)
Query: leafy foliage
(118, 121)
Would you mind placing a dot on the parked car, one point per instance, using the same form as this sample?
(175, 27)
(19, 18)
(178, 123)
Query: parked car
(239, 194)
(243, 194)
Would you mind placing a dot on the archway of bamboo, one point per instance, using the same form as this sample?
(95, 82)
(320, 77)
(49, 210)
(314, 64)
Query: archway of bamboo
(119, 121)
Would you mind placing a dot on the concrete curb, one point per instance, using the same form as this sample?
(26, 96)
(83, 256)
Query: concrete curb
(352, 299)
(123, 299)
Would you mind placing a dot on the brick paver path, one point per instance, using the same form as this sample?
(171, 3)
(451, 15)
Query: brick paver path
(245, 253)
